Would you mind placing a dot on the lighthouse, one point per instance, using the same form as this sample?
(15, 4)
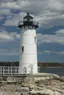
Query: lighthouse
(28, 46)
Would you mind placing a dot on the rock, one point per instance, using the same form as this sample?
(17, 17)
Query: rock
(50, 86)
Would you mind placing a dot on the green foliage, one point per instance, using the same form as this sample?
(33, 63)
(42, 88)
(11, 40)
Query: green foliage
(51, 64)
(9, 63)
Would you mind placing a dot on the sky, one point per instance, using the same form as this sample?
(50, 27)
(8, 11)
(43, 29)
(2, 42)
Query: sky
(50, 34)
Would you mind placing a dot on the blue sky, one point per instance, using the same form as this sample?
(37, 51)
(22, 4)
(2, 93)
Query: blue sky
(50, 34)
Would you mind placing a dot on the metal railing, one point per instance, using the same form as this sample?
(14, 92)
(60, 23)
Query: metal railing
(34, 23)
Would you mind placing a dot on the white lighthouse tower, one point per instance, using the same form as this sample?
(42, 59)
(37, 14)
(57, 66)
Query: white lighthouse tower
(28, 46)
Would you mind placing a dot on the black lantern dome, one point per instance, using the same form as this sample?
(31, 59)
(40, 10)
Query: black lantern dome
(28, 22)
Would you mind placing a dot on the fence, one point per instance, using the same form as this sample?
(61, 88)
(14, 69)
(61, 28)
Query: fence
(11, 70)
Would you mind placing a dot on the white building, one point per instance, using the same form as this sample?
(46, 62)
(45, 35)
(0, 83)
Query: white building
(28, 46)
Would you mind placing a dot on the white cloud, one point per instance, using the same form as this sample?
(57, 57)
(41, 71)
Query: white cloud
(19, 4)
(41, 38)
(54, 52)
(51, 52)
(6, 0)
(46, 12)
(1, 17)
(9, 52)
(50, 38)
(60, 32)
(11, 5)
(14, 19)
(18, 36)
(15, 35)
(5, 11)
(6, 36)
(16, 51)
(23, 3)
(55, 5)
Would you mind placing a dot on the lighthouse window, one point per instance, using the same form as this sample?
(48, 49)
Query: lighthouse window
(35, 39)
(22, 48)
(25, 19)
(31, 19)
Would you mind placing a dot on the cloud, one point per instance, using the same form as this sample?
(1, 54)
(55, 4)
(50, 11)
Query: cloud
(5, 1)
(9, 52)
(5, 11)
(16, 52)
(54, 52)
(60, 32)
(18, 4)
(41, 38)
(55, 5)
(6, 36)
(46, 12)
(11, 5)
(50, 38)
(51, 52)
(14, 19)
(1, 17)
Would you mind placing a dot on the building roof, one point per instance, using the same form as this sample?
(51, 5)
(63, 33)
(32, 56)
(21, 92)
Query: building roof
(28, 16)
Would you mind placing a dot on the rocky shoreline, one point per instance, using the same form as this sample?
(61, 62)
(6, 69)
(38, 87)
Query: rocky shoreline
(39, 84)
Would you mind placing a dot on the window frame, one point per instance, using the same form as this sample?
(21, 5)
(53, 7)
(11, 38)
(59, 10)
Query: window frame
(22, 48)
